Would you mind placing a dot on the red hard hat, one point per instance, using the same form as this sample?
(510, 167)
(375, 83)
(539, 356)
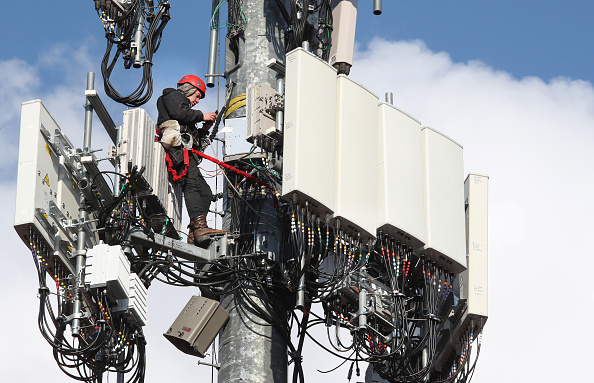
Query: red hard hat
(195, 81)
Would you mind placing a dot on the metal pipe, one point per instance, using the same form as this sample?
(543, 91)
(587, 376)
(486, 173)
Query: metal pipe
(138, 38)
(212, 50)
(425, 354)
(305, 45)
(250, 351)
(88, 114)
(390, 98)
(83, 216)
(301, 289)
(377, 7)
(280, 115)
(247, 340)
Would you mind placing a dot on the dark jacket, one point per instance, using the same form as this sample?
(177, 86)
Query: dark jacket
(173, 105)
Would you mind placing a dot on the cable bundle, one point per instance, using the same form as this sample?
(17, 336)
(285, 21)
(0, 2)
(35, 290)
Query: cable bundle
(103, 343)
(318, 32)
(136, 32)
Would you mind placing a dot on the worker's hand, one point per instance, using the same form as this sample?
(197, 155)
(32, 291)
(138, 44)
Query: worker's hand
(210, 116)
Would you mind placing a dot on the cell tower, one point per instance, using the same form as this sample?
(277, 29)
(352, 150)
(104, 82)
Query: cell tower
(366, 220)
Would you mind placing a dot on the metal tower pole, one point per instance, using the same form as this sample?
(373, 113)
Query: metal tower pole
(263, 39)
(251, 350)
(83, 216)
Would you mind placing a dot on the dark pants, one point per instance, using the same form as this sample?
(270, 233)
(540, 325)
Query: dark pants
(197, 192)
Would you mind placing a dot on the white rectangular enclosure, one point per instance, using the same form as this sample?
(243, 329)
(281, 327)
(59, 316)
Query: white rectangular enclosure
(136, 145)
(344, 14)
(159, 178)
(260, 119)
(474, 280)
(47, 183)
(174, 204)
(107, 266)
(137, 303)
(356, 158)
(309, 131)
(400, 207)
(443, 177)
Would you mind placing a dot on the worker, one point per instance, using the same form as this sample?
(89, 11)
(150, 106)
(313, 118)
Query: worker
(179, 135)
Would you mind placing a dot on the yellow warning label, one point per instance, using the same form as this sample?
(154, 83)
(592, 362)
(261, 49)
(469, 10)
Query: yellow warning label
(49, 151)
(46, 180)
(74, 185)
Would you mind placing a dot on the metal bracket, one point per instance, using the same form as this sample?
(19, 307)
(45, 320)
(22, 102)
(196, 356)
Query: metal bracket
(215, 365)
(216, 249)
(276, 66)
(80, 315)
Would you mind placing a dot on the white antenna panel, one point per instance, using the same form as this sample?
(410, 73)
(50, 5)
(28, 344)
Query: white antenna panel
(400, 208)
(47, 194)
(136, 145)
(174, 204)
(443, 177)
(474, 281)
(309, 131)
(356, 158)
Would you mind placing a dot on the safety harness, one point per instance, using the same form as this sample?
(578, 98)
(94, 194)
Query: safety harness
(178, 176)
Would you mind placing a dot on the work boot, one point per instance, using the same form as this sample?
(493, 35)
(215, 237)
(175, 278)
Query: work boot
(199, 228)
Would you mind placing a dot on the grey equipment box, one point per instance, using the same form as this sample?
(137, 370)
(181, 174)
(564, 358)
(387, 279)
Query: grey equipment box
(197, 325)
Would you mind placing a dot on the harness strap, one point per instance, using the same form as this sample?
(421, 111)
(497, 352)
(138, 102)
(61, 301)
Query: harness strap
(174, 174)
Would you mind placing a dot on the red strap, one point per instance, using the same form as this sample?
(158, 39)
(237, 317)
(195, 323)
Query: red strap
(233, 169)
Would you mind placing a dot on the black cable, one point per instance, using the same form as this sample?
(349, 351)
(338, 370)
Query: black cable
(283, 11)
(123, 36)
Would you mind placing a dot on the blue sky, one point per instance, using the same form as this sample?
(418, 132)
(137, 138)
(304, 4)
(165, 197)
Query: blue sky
(512, 81)
(526, 38)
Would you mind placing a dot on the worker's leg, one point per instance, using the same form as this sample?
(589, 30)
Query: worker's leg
(198, 196)
(205, 193)
(197, 193)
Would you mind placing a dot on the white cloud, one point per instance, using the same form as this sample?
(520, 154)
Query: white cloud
(18, 81)
(533, 138)
(58, 78)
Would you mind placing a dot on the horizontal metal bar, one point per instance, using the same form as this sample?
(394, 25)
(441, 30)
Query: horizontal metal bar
(182, 249)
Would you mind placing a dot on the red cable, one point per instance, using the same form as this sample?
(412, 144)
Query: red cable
(233, 169)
